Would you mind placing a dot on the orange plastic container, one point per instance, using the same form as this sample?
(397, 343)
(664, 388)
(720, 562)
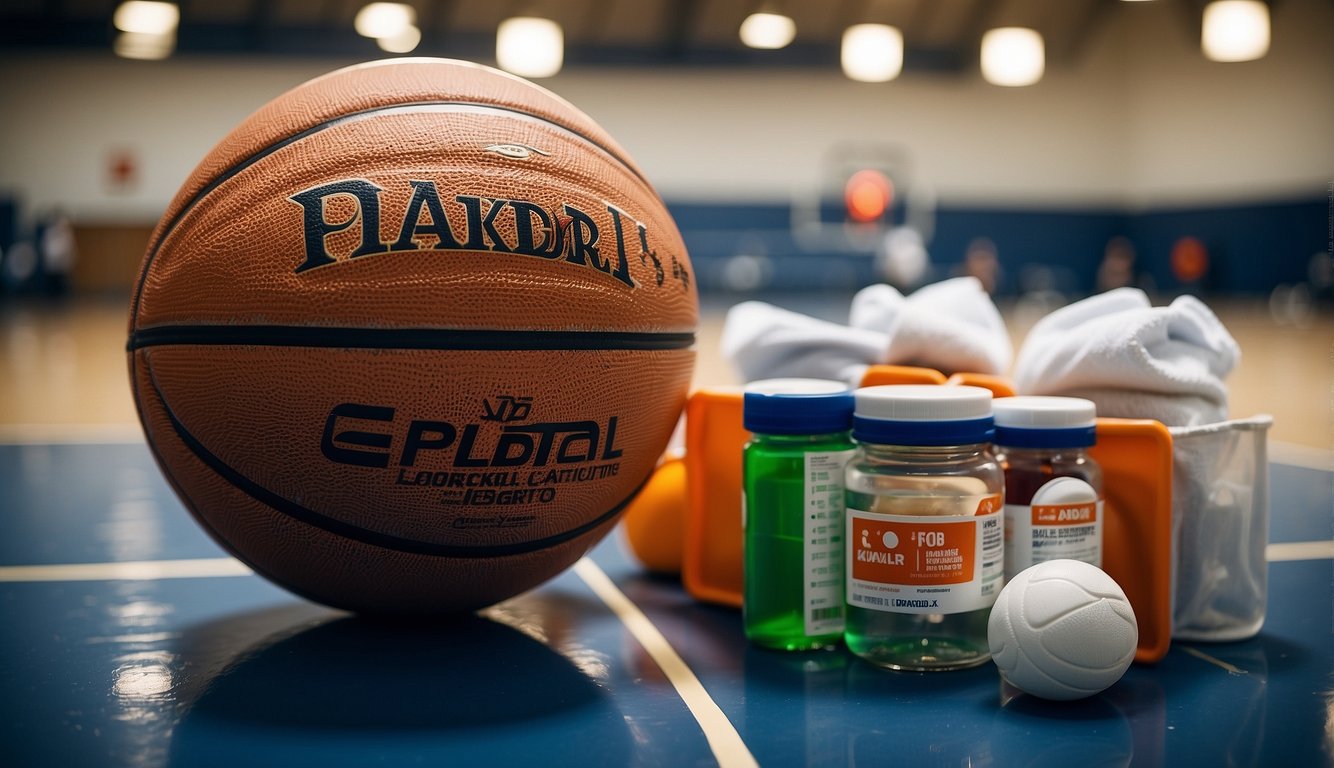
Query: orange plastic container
(999, 385)
(712, 563)
(901, 374)
(1136, 460)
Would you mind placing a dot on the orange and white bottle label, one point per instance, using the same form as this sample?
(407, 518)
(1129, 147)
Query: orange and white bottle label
(1063, 522)
(924, 564)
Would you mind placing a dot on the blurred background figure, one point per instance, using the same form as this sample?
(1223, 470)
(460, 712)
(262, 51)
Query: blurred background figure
(19, 268)
(982, 261)
(1117, 269)
(1320, 273)
(56, 254)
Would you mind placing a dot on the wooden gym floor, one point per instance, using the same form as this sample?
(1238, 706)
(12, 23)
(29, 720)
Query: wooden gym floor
(64, 364)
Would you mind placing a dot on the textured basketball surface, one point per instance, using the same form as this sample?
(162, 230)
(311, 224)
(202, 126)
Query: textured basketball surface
(1062, 630)
(411, 336)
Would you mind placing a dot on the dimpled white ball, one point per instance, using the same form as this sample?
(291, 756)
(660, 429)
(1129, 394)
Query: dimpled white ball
(1062, 630)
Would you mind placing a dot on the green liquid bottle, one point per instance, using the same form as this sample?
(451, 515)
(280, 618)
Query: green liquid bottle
(793, 472)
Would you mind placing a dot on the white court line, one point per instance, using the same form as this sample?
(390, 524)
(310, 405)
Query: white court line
(726, 743)
(1201, 655)
(1299, 550)
(196, 568)
(141, 570)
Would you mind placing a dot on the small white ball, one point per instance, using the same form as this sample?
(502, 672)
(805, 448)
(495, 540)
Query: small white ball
(1062, 630)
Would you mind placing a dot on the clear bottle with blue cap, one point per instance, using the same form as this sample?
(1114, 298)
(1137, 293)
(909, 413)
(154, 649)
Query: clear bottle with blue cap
(1053, 488)
(924, 527)
(793, 511)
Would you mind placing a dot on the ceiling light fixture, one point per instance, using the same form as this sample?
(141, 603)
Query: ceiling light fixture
(872, 53)
(147, 18)
(530, 47)
(768, 30)
(1235, 30)
(379, 20)
(1012, 56)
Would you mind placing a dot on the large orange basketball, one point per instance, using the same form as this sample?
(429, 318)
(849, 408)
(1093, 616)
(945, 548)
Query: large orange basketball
(412, 336)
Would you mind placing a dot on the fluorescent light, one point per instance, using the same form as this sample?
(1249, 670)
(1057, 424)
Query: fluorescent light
(147, 18)
(1235, 30)
(379, 20)
(768, 30)
(1012, 56)
(404, 42)
(141, 45)
(530, 47)
(872, 53)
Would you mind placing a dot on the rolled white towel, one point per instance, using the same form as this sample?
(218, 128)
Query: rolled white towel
(766, 342)
(1133, 359)
(950, 326)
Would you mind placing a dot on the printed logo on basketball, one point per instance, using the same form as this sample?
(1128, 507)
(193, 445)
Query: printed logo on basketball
(506, 408)
(515, 151)
(517, 464)
(917, 554)
(603, 241)
(1065, 514)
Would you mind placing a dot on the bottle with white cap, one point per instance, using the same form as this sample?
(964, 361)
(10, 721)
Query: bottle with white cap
(1053, 488)
(924, 527)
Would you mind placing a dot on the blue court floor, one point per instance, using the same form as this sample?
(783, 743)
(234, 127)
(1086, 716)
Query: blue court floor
(127, 638)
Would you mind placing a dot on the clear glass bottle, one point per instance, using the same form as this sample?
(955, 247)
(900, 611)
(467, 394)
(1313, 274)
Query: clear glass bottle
(1053, 488)
(793, 511)
(924, 527)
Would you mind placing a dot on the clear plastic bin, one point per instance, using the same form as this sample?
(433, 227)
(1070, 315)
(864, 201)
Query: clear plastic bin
(1220, 526)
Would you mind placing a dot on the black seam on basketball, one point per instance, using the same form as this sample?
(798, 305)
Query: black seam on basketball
(179, 487)
(407, 107)
(405, 338)
(366, 536)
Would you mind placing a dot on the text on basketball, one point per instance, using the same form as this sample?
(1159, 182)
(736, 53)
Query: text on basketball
(565, 233)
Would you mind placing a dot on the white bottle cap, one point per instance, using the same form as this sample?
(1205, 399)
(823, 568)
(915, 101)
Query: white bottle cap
(1045, 422)
(923, 402)
(1038, 412)
(911, 414)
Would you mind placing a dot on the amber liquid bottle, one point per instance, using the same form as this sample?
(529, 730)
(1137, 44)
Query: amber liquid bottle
(1053, 489)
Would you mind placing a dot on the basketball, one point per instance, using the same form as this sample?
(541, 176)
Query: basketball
(412, 336)
(1062, 630)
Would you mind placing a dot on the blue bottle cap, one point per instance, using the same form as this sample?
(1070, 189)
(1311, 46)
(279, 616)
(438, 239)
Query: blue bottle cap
(797, 407)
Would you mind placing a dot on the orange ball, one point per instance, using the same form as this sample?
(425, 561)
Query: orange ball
(655, 522)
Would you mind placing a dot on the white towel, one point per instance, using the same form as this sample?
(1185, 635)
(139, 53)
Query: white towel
(768, 342)
(950, 326)
(1132, 359)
